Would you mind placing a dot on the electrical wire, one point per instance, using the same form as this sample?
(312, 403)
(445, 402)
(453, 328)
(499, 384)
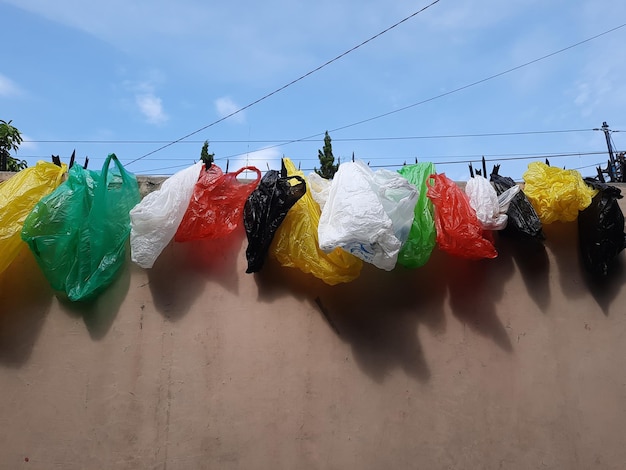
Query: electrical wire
(264, 97)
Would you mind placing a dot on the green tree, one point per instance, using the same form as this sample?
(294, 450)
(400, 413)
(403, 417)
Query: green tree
(206, 157)
(10, 140)
(328, 168)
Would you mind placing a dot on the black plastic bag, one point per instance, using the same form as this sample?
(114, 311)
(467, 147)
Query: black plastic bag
(264, 211)
(601, 229)
(523, 219)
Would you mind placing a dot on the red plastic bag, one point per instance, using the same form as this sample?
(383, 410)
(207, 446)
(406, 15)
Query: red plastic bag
(216, 206)
(458, 230)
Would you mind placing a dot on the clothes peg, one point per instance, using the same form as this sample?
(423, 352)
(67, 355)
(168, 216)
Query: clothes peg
(471, 170)
(547, 162)
(56, 160)
(227, 162)
(283, 168)
(484, 167)
(86, 163)
(72, 159)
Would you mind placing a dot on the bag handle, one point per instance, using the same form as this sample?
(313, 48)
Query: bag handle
(251, 168)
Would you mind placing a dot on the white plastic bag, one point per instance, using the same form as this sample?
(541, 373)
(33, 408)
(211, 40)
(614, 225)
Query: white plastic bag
(490, 208)
(368, 214)
(320, 187)
(154, 221)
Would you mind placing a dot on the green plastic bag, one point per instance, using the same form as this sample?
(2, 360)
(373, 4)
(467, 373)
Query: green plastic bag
(18, 196)
(79, 233)
(422, 237)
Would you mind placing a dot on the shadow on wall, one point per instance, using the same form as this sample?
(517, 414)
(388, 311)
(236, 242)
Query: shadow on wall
(380, 312)
(562, 240)
(25, 299)
(181, 272)
(99, 313)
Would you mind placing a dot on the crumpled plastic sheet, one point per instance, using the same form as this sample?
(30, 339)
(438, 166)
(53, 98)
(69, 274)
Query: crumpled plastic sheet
(368, 213)
(18, 196)
(490, 208)
(296, 245)
(459, 232)
(155, 220)
(556, 194)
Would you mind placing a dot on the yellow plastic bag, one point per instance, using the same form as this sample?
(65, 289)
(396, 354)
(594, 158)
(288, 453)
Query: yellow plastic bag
(556, 194)
(296, 245)
(18, 196)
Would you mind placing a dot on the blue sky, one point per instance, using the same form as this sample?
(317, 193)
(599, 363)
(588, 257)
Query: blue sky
(129, 76)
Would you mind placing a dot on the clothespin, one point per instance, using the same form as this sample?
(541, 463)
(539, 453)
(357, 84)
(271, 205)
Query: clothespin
(283, 168)
(600, 175)
(547, 162)
(496, 170)
(72, 158)
(404, 164)
(416, 160)
(352, 157)
(471, 170)
(227, 162)
(484, 167)
(86, 163)
(268, 166)
(56, 160)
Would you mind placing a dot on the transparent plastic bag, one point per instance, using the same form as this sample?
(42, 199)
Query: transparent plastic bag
(422, 237)
(601, 229)
(368, 214)
(155, 220)
(556, 194)
(319, 187)
(18, 196)
(458, 230)
(216, 206)
(79, 233)
(264, 211)
(296, 243)
(490, 208)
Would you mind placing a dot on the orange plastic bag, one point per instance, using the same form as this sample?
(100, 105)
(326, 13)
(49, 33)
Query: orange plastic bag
(296, 243)
(458, 230)
(18, 196)
(216, 206)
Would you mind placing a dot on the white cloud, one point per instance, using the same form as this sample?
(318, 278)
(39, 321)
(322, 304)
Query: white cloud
(259, 158)
(225, 106)
(151, 107)
(8, 88)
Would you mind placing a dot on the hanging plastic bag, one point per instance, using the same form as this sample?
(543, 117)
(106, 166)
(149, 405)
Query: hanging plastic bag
(422, 237)
(264, 211)
(523, 220)
(18, 196)
(556, 194)
(458, 230)
(490, 208)
(601, 229)
(155, 220)
(319, 187)
(79, 232)
(368, 214)
(216, 207)
(296, 244)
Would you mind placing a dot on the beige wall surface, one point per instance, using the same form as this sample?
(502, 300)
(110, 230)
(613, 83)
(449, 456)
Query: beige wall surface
(511, 363)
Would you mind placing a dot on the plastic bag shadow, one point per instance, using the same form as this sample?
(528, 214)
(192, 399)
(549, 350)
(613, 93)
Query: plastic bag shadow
(378, 314)
(100, 313)
(475, 288)
(531, 258)
(25, 299)
(181, 272)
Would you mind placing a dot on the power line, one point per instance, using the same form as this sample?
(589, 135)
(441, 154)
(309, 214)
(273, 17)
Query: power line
(458, 160)
(290, 83)
(456, 90)
(345, 139)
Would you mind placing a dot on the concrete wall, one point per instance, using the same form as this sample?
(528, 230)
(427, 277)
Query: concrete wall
(512, 363)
